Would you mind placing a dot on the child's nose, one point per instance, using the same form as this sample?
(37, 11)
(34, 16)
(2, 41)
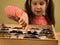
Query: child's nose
(38, 6)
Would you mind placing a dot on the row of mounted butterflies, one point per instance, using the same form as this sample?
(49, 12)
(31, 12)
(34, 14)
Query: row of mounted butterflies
(32, 32)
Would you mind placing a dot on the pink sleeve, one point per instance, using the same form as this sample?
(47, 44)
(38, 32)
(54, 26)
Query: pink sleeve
(13, 11)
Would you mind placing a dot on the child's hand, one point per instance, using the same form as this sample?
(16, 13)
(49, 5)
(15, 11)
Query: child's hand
(24, 21)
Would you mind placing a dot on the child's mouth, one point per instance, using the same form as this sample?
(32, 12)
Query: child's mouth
(38, 12)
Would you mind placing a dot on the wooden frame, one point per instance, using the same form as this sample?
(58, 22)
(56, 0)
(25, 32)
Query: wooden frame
(7, 41)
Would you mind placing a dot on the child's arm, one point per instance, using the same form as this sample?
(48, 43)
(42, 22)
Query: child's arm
(16, 14)
(13, 12)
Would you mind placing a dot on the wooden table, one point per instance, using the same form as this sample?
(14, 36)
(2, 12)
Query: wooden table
(58, 37)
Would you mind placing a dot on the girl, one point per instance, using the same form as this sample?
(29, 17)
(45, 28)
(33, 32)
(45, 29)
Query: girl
(40, 11)
(36, 12)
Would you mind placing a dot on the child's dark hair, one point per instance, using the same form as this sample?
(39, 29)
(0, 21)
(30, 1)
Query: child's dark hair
(49, 11)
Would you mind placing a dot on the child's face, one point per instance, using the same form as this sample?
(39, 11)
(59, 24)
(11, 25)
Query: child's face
(38, 7)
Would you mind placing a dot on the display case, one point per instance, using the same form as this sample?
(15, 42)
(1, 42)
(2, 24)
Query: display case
(13, 34)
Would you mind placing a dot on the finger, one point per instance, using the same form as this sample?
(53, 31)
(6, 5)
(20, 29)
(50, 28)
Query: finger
(25, 28)
(21, 21)
(24, 25)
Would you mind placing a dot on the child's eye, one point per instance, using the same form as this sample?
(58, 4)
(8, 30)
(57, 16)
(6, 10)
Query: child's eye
(34, 3)
(41, 3)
